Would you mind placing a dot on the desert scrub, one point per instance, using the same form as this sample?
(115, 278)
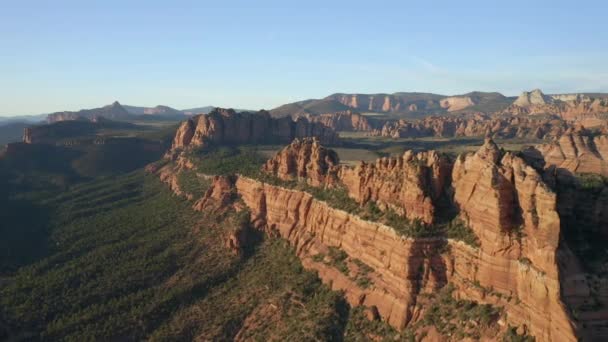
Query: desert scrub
(360, 328)
(193, 184)
(338, 198)
(511, 335)
(459, 230)
(338, 259)
(362, 278)
(227, 160)
(591, 181)
(459, 318)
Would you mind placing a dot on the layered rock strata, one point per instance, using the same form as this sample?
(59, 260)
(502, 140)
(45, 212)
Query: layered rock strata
(574, 152)
(404, 267)
(306, 160)
(225, 126)
(342, 121)
(499, 196)
(412, 184)
(567, 106)
(476, 126)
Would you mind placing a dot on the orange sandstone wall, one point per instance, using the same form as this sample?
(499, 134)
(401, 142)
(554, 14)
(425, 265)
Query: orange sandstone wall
(404, 267)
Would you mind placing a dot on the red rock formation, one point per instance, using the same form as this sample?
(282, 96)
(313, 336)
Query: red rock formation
(305, 160)
(499, 127)
(342, 121)
(225, 126)
(218, 197)
(403, 268)
(411, 185)
(575, 152)
(503, 199)
(568, 106)
(514, 214)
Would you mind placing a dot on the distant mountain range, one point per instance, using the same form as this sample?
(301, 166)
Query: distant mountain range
(116, 111)
(424, 104)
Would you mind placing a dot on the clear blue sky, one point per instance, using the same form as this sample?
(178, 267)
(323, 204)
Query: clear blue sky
(67, 55)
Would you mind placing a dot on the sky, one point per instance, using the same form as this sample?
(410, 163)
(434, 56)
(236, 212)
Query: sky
(67, 55)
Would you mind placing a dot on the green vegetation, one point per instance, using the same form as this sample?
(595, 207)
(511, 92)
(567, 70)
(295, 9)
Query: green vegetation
(362, 279)
(338, 198)
(591, 181)
(460, 318)
(227, 160)
(338, 259)
(191, 183)
(360, 328)
(458, 230)
(511, 335)
(125, 259)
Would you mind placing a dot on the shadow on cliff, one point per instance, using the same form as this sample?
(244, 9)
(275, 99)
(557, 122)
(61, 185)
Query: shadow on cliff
(583, 231)
(427, 268)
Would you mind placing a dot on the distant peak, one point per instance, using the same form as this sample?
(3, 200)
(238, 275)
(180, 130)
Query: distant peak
(534, 97)
(489, 151)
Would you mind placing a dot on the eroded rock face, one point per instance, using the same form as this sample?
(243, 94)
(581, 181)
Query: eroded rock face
(219, 196)
(514, 214)
(575, 152)
(305, 159)
(403, 268)
(411, 185)
(567, 106)
(225, 126)
(503, 199)
(342, 121)
(455, 103)
(475, 126)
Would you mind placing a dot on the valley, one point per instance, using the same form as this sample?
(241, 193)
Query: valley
(311, 226)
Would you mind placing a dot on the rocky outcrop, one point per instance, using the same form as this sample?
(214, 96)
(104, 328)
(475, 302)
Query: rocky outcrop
(455, 103)
(533, 98)
(474, 126)
(313, 228)
(412, 185)
(306, 160)
(398, 102)
(403, 268)
(504, 200)
(574, 152)
(567, 106)
(514, 214)
(225, 126)
(342, 121)
(219, 196)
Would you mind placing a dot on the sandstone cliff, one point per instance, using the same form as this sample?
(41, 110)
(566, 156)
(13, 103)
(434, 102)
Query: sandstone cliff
(305, 160)
(574, 152)
(455, 103)
(478, 125)
(225, 126)
(404, 268)
(504, 200)
(412, 185)
(342, 121)
(567, 106)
